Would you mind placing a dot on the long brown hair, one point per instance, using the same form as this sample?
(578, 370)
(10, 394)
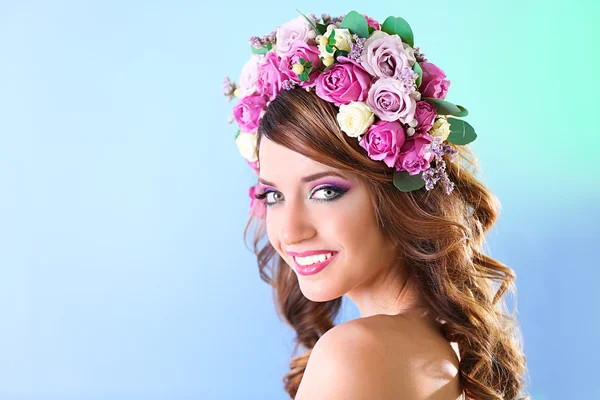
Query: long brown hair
(440, 237)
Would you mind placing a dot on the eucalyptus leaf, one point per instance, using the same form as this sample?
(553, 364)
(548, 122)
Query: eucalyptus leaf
(461, 132)
(399, 26)
(406, 182)
(261, 50)
(463, 112)
(356, 23)
(443, 107)
(419, 71)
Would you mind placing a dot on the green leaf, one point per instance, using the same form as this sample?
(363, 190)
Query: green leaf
(461, 132)
(463, 112)
(302, 60)
(308, 65)
(238, 134)
(371, 29)
(406, 182)
(329, 48)
(321, 29)
(340, 53)
(399, 26)
(332, 37)
(303, 77)
(261, 50)
(418, 70)
(443, 107)
(356, 23)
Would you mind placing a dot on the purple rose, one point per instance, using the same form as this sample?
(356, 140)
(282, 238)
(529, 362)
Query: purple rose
(247, 112)
(269, 77)
(372, 23)
(425, 114)
(385, 56)
(415, 155)
(391, 101)
(433, 83)
(299, 49)
(344, 82)
(383, 141)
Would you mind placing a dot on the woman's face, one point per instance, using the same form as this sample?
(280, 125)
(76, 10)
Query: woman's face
(315, 208)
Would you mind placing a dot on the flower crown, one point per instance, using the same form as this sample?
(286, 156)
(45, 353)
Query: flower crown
(389, 97)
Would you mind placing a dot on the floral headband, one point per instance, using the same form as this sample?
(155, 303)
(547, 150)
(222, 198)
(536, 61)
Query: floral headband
(389, 97)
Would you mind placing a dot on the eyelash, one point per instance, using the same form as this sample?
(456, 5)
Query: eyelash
(338, 191)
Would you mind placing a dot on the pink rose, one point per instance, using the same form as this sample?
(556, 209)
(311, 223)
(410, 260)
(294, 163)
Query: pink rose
(298, 50)
(253, 165)
(289, 32)
(247, 112)
(269, 77)
(390, 100)
(249, 76)
(385, 55)
(415, 155)
(433, 83)
(425, 114)
(257, 208)
(344, 82)
(372, 23)
(383, 141)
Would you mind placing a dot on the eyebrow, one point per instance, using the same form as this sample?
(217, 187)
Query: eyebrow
(309, 178)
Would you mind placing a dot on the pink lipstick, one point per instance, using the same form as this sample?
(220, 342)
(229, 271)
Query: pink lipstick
(312, 268)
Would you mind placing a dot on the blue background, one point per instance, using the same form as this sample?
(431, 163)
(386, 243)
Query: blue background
(123, 272)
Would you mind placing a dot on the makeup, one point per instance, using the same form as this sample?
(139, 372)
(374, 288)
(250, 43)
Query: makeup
(310, 257)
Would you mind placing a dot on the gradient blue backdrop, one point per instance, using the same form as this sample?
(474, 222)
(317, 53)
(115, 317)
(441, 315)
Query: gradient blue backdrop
(123, 274)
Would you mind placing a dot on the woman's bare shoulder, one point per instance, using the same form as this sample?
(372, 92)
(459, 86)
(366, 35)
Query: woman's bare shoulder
(418, 347)
(388, 356)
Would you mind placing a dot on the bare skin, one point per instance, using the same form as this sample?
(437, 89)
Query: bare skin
(395, 336)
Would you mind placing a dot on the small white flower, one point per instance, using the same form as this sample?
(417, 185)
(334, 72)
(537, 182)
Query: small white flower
(441, 128)
(355, 118)
(246, 143)
(343, 40)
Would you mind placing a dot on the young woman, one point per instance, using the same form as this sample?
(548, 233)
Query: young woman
(348, 206)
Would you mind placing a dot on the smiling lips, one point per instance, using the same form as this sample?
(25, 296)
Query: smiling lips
(311, 262)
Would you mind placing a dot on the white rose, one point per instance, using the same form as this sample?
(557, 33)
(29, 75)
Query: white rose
(246, 143)
(355, 118)
(441, 128)
(343, 40)
(289, 32)
(249, 76)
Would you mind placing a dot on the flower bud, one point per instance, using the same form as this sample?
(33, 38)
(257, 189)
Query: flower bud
(298, 68)
(328, 60)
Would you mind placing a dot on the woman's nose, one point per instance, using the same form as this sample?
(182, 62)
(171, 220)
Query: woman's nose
(296, 225)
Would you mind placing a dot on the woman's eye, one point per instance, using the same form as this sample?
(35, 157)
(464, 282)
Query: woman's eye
(326, 193)
(273, 197)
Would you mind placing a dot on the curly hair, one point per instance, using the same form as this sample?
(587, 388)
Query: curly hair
(440, 236)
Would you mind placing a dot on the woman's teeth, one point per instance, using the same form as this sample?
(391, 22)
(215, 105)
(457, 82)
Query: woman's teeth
(312, 259)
